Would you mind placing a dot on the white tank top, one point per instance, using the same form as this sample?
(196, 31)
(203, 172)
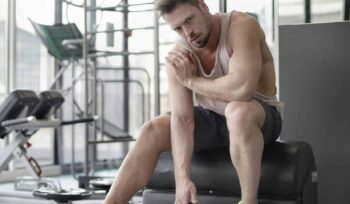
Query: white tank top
(220, 69)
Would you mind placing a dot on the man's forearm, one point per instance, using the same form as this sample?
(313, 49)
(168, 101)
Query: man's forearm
(182, 146)
(222, 88)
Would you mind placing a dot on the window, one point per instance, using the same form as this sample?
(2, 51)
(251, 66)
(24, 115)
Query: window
(262, 9)
(34, 66)
(3, 71)
(291, 12)
(113, 98)
(326, 10)
(2, 55)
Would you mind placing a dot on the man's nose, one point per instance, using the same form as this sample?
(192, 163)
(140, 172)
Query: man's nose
(189, 32)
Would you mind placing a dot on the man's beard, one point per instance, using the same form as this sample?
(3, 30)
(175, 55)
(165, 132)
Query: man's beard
(204, 41)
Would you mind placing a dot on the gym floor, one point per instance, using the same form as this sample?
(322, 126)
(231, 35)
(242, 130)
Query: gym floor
(9, 195)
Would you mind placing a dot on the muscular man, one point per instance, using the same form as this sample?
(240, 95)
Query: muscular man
(224, 61)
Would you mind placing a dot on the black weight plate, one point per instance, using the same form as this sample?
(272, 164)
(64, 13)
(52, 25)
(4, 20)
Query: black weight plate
(63, 195)
(102, 183)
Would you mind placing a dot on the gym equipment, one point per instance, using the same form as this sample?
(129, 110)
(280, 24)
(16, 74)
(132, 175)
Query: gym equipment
(27, 183)
(63, 41)
(288, 176)
(19, 103)
(26, 103)
(17, 106)
(38, 110)
(62, 195)
(102, 183)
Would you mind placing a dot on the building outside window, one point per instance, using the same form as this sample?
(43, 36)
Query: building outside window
(322, 11)
(34, 66)
(2, 55)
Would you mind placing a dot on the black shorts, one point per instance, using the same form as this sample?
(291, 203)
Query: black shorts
(211, 129)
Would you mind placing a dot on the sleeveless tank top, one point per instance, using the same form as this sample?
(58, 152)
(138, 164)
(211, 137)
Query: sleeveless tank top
(220, 69)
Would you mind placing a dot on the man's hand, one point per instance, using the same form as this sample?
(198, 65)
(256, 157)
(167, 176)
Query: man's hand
(184, 65)
(186, 192)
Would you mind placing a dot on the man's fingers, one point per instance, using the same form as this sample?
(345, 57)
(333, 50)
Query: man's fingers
(183, 55)
(180, 55)
(193, 195)
(173, 60)
(183, 50)
(170, 62)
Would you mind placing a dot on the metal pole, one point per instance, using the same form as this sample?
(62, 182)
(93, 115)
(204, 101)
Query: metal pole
(156, 65)
(86, 97)
(92, 22)
(223, 6)
(10, 54)
(10, 40)
(307, 10)
(126, 73)
(58, 140)
(73, 117)
(7, 47)
(346, 10)
(102, 115)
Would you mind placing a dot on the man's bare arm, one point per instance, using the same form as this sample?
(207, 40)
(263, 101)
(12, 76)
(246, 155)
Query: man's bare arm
(182, 125)
(240, 84)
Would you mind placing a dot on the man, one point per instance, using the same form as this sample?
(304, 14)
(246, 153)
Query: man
(224, 60)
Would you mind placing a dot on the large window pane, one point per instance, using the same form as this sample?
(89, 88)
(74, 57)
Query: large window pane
(2, 49)
(326, 10)
(34, 66)
(2, 55)
(291, 12)
(261, 8)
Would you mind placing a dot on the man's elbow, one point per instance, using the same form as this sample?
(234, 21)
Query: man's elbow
(245, 93)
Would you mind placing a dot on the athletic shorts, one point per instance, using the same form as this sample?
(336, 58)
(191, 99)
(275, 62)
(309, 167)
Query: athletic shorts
(211, 129)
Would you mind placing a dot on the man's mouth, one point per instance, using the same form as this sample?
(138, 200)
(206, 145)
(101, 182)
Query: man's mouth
(194, 38)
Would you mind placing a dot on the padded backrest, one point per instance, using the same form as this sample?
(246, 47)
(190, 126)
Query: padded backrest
(49, 102)
(53, 35)
(17, 103)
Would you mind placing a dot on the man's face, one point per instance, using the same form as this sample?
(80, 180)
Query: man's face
(191, 23)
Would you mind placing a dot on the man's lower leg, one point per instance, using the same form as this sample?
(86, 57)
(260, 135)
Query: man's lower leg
(246, 156)
(137, 167)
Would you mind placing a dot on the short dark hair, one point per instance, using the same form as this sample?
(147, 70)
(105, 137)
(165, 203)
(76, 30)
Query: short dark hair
(167, 6)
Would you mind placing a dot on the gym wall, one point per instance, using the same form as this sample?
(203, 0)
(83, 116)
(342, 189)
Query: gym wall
(315, 86)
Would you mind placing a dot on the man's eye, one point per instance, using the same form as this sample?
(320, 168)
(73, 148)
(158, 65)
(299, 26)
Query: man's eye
(189, 20)
(178, 29)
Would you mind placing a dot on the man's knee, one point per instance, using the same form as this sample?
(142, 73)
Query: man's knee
(243, 116)
(156, 132)
(239, 113)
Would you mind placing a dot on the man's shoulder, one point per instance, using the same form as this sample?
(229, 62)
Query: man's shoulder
(241, 20)
(242, 24)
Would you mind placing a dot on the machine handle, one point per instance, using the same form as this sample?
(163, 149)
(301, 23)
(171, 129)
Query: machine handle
(20, 121)
(83, 120)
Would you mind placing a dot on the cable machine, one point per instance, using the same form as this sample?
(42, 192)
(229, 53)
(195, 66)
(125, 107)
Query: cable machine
(91, 80)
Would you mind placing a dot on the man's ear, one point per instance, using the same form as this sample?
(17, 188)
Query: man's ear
(203, 6)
